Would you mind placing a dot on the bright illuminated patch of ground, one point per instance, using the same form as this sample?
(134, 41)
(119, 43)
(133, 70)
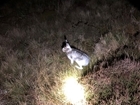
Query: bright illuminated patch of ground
(73, 91)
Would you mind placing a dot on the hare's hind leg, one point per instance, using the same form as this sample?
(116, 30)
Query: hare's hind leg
(79, 67)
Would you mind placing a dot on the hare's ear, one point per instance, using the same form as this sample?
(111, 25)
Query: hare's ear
(65, 39)
(64, 43)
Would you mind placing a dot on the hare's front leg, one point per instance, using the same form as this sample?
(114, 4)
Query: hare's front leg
(71, 59)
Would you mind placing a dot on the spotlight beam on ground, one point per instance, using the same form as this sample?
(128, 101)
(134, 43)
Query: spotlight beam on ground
(74, 91)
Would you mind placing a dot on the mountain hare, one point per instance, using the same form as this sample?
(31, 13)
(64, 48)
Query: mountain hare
(81, 58)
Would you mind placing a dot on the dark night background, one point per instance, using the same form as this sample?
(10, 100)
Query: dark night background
(32, 64)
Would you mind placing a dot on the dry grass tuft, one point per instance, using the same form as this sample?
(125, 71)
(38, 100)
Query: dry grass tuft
(108, 44)
(115, 84)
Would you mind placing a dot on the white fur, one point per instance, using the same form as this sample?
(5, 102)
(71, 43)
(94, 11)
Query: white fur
(81, 58)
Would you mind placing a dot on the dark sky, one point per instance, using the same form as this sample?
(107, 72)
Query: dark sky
(135, 3)
(2, 2)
